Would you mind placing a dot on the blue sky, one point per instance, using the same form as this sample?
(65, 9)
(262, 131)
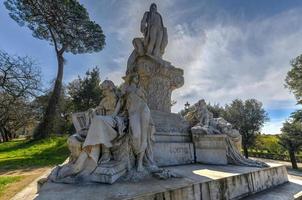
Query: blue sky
(228, 48)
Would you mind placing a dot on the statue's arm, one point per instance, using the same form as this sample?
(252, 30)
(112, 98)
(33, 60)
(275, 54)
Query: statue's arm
(117, 107)
(144, 22)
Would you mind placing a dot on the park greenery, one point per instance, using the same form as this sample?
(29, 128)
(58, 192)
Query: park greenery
(27, 155)
(66, 25)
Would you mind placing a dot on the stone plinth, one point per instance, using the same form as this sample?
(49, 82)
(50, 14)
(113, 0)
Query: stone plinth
(173, 142)
(173, 153)
(158, 79)
(206, 182)
(210, 149)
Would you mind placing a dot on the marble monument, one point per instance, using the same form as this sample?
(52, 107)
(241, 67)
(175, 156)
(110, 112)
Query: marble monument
(132, 136)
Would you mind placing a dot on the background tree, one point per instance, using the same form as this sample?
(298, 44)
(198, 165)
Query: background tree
(247, 117)
(85, 92)
(62, 122)
(291, 139)
(19, 83)
(65, 24)
(268, 143)
(293, 80)
(216, 109)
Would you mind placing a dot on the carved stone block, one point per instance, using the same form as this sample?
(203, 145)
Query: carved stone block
(166, 154)
(210, 149)
(109, 172)
(159, 79)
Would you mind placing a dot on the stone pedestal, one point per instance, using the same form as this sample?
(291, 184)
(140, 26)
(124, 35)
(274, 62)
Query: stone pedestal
(210, 149)
(159, 79)
(109, 172)
(173, 153)
(206, 182)
(173, 142)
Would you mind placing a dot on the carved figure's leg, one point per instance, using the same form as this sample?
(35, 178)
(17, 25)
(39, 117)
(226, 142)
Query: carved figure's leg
(159, 38)
(105, 155)
(135, 126)
(152, 40)
(79, 164)
(136, 130)
(145, 128)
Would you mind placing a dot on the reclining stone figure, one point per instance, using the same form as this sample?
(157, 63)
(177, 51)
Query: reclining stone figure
(202, 122)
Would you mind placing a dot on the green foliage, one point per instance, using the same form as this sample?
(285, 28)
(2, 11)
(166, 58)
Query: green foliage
(86, 92)
(27, 154)
(66, 25)
(63, 123)
(268, 143)
(293, 79)
(5, 180)
(216, 109)
(63, 23)
(248, 117)
(291, 137)
(296, 116)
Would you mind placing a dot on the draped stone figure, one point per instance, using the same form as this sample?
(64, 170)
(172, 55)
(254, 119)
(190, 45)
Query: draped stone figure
(141, 127)
(155, 34)
(203, 123)
(104, 126)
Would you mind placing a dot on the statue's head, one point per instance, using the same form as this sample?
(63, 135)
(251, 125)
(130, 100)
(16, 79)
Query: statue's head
(107, 86)
(153, 7)
(202, 103)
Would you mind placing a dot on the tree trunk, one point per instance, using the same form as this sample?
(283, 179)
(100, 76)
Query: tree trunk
(293, 159)
(245, 151)
(46, 126)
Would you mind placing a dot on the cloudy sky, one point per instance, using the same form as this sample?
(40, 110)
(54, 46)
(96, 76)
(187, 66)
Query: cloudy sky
(228, 49)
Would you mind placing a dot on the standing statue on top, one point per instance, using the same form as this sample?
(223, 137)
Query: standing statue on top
(155, 34)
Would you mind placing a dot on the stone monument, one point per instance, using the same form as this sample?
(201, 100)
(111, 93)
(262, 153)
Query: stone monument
(133, 136)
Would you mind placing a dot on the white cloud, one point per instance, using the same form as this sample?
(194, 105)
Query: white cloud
(243, 61)
(223, 59)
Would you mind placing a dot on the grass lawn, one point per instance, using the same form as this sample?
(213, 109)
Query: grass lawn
(22, 154)
(21, 161)
(5, 180)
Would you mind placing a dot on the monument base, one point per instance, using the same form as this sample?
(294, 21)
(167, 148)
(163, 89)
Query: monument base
(198, 182)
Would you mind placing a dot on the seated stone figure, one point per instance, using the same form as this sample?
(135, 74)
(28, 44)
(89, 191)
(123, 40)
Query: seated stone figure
(98, 128)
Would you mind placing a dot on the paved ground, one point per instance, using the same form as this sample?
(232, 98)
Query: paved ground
(27, 177)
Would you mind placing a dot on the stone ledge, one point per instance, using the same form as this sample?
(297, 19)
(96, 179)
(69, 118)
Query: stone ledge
(198, 182)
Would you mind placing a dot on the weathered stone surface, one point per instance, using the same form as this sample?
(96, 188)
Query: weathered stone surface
(206, 182)
(158, 81)
(210, 149)
(169, 122)
(168, 153)
(172, 137)
(220, 149)
(109, 172)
